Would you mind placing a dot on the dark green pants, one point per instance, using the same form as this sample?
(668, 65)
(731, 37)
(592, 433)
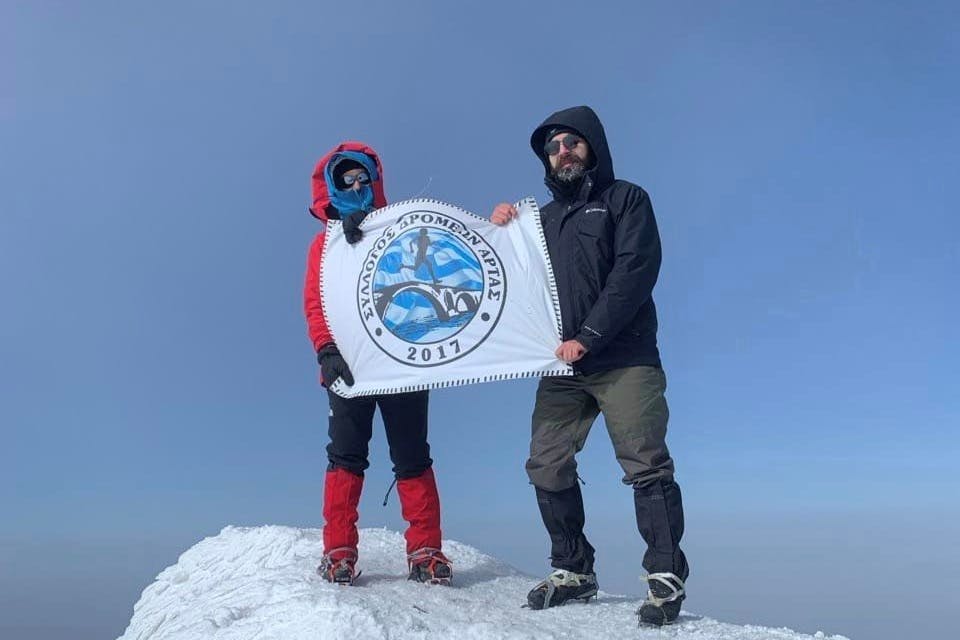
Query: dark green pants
(635, 411)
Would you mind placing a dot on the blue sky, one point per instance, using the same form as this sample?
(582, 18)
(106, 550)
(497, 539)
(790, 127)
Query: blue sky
(156, 383)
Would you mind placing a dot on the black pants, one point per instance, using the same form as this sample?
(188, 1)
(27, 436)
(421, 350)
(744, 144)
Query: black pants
(405, 418)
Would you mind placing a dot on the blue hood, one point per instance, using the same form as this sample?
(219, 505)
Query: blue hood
(348, 201)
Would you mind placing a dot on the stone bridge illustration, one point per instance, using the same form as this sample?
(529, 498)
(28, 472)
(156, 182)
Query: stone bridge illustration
(448, 302)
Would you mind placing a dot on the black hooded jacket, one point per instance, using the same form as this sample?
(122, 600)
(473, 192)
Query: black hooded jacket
(605, 250)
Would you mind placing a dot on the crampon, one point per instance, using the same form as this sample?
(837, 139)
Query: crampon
(339, 566)
(662, 606)
(430, 566)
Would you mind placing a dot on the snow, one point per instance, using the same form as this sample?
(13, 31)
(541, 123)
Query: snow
(261, 583)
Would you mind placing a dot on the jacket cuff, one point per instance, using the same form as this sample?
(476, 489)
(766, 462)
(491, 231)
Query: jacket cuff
(589, 339)
(327, 348)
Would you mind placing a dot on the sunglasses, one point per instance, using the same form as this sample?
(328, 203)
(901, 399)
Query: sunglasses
(362, 177)
(569, 141)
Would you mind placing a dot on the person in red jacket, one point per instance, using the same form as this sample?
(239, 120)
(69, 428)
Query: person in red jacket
(347, 185)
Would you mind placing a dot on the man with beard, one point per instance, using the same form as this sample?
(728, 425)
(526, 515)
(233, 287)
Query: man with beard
(605, 250)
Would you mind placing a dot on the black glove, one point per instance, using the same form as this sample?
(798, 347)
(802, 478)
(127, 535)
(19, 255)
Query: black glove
(333, 366)
(351, 227)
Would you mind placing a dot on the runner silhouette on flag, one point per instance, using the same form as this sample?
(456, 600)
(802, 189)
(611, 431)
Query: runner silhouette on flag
(423, 245)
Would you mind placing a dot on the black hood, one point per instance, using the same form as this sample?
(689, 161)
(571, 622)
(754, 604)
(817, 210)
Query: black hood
(584, 121)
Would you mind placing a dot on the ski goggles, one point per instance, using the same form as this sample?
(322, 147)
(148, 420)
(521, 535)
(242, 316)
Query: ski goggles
(570, 141)
(363, 178)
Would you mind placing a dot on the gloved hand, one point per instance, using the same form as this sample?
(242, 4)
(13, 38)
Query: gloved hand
(333, 366)
(351, 227)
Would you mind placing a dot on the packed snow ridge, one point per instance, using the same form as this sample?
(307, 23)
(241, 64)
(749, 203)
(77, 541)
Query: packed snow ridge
(261, 583)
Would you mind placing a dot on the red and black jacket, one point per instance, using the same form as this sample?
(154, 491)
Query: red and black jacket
(322, 210)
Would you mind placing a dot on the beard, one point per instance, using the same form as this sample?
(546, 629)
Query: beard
(571, 172)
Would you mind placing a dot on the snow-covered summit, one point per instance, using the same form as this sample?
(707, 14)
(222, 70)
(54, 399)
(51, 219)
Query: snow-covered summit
(261, 583)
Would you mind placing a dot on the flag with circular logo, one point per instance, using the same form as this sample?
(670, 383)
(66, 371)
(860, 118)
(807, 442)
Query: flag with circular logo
(434, 296)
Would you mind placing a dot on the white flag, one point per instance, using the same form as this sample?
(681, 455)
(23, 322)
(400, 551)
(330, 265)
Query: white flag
(434, 296)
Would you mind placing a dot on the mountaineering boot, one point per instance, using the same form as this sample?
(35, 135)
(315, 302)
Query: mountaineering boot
(664, 596)
(339, 566)
(560, 587)
(430, 566)
(420, 506)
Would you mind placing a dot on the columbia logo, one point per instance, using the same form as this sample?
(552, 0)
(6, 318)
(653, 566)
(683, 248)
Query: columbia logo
(595, 210)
